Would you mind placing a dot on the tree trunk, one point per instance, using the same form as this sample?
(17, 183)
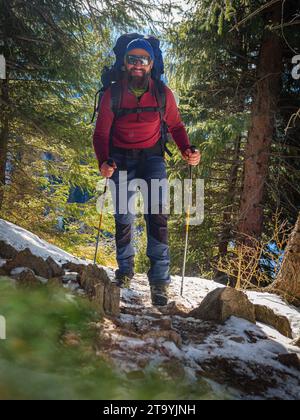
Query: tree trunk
(228, 212)
(4, 134)
(288, 279)
(260, 135)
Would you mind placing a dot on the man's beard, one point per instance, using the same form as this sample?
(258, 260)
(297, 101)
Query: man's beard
(139, 82)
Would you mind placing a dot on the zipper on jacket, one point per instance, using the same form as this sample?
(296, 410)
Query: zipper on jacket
(138, 105)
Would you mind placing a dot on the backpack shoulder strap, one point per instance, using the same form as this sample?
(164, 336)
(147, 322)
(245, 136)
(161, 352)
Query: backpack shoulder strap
(116, 96)
(160, 93)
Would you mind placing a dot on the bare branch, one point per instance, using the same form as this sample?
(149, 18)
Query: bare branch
(253, 14)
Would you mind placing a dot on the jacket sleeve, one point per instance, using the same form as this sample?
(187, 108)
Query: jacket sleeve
(174, 122)
(103, 127)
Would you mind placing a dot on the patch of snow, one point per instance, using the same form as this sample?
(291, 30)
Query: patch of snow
(172, 349)
(20, 239)
(2, 262)
(263, 352)
(243, 345)
(194, 289)
(70, 276)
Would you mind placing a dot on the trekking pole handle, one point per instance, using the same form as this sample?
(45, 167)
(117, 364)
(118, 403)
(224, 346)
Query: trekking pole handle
(193, 149)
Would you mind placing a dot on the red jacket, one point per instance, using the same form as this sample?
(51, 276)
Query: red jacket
(137, 131)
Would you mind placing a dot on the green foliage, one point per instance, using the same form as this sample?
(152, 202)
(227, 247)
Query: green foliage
(55, 51)
(213, 69)
(36, 361)
(50, 353)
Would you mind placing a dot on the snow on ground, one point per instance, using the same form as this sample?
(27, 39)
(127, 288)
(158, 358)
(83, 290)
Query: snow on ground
(238, 359)
(240, 356)
(20, 239)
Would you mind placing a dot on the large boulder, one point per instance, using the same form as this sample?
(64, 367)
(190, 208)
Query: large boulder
(279, 322)
(222, 303)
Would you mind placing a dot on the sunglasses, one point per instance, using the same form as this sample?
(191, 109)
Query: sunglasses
(135, 59)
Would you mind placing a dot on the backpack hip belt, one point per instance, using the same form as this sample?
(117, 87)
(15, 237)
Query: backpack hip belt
(155, 150)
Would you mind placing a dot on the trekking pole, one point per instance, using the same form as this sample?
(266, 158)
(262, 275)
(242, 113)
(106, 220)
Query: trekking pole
(193, 149)
(110, 162)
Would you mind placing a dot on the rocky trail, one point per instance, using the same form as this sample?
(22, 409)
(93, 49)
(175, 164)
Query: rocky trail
(229, 344)
(238, 359)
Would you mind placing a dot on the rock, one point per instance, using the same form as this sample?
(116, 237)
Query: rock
(46, 269)
(239, 340)
(222, 303)
(77, 268)
(70, 276)
(166, 335)
(267, 316)
(27, 259)
(290, 360)
(253, 336)
(172, 369)
(172, 309)
(162, 323)
(2, 272)
(56, 269)
(3, 269)
(16, 272)
(94, 280)
(7, 251)
(296, 342)
(112, 296)
(26, 278)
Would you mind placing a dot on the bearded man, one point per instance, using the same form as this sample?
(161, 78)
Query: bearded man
(134, 142)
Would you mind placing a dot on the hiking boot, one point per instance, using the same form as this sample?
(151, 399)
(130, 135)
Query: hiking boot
(159, 294)
(123, 280)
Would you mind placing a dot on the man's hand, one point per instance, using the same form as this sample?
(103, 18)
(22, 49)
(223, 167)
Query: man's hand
(108, 170)
(192, 158)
